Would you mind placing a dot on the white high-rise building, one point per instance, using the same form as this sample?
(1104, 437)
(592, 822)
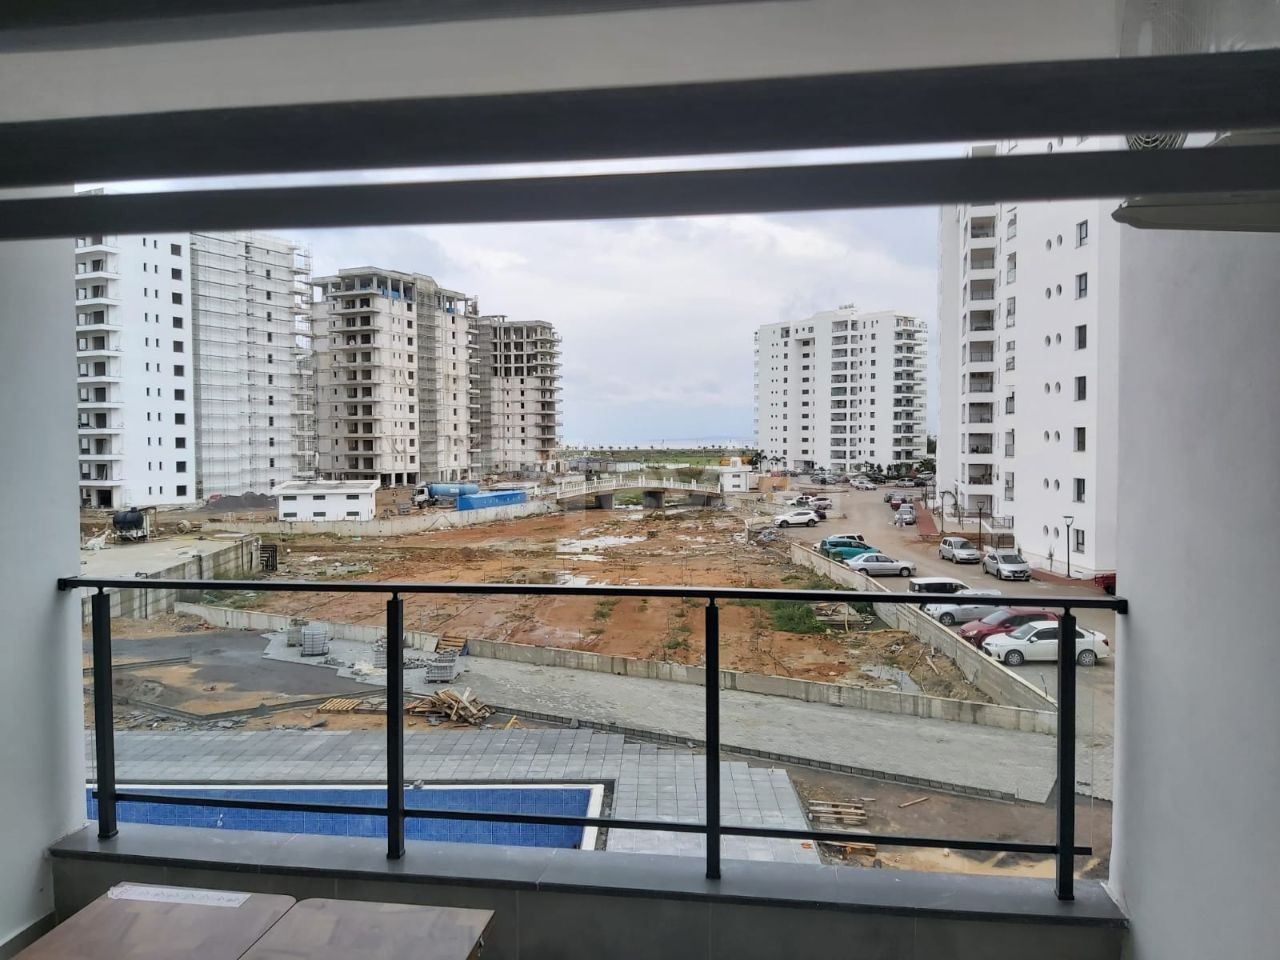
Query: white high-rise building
(1028, 306)
(135, 409)
(515, 386)
(446, 325)
(248, 291)
(841, 390)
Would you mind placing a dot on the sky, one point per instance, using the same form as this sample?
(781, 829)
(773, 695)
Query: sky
(656, 316)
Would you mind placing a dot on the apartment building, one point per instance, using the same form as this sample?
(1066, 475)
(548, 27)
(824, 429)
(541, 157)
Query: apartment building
(366, 337)
(447, 320)
(842, 389)
(135, 372)
(1028, 303)
(516, 395)
(249, 292)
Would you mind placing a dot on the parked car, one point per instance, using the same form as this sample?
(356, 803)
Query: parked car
(821, 503)
(1039, 641)
(803, 500)
(969, 605)
(892, 495)
(1107, 582)
(958, 550)
(834, 539)
(822, 514)
(1004, 620)
(921, 482)
(863, 485)
(905, 482)
(846, 551)
(1006, 564)
(937, 585)
(796, 518)
(877, 564)
(905, 516)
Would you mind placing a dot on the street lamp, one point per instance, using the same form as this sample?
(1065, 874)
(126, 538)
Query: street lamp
(1069, 520)
(979, 526)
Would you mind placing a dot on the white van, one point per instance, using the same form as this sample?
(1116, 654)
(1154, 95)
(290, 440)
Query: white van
(937, 585)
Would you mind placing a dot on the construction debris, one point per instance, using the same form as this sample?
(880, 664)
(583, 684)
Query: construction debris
(912, 803)
(448, 705)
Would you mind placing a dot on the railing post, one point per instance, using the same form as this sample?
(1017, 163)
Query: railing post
(395, 727)
(1066, 840)
(711, 642)
(104, 734)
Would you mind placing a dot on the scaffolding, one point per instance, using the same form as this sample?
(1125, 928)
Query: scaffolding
(247, 296)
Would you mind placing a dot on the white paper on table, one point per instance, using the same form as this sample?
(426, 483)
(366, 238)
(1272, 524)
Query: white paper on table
(189, 895)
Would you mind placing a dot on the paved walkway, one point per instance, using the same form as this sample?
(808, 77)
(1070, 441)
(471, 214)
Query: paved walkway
(1021, 764)
(649, 782)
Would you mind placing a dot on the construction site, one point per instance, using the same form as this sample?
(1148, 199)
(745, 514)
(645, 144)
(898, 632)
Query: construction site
(269, 663)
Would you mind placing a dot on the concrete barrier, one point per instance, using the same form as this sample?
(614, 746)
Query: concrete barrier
(230, 618)
(237, 559)
(990, 676)
(811, 691)
(389, 526)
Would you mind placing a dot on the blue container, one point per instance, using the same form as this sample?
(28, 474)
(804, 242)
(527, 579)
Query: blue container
(492, 498)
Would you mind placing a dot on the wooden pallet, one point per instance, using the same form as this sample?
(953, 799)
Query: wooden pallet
(339, 705)
(446, 644)
(449, 705)
(841, 814)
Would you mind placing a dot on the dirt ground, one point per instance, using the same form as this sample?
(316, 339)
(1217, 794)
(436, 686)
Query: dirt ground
(618, 547)
(945, 814)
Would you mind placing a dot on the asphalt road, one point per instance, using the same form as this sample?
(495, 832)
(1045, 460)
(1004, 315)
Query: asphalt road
(866, 513)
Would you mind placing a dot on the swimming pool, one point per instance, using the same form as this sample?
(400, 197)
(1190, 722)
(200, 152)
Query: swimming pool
(574, 800)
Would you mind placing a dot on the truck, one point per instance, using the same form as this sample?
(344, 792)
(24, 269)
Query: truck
(429, 494)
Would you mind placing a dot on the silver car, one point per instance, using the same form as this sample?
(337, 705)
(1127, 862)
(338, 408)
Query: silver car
(1006, 565)
(958, 550)
(877, 564)
(969, 605)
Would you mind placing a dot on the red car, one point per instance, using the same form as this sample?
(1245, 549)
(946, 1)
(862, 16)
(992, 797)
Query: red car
(1004, 620)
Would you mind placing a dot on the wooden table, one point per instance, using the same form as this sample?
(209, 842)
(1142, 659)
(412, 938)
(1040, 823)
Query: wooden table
(344, 929)
(349, 929)
(137, 921)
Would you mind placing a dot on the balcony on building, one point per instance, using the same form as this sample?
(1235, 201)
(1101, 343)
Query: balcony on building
(981, 291)
(98, 244)
(980, 321)
(981, 383)
(980, 443)
(979, 413)
(96, 294)
(982, 222)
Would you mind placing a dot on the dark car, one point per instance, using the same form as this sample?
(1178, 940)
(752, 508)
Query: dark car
(920, 482)
(1004, 620)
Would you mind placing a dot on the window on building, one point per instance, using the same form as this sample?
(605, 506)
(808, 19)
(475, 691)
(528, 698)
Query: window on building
(180, 442)
(1080, 439)
(1082, 336)
(1082, 285)
(1082, 388)
(175, 274)
(179, 370)
(317, 496)
(178, 323)
(1078, 537)
(1078, 492)
(181, 490)
(176, 297)
(175, 249)
(180, 395)
(181, 466)
(271, 462)
(1082, 233)
(177, 346)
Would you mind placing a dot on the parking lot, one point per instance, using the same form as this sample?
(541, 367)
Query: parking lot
(866, 513)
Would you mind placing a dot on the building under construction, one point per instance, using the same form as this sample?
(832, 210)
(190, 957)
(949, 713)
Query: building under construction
(413, 385)
(250, 316)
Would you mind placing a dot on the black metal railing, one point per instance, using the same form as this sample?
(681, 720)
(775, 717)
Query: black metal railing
(1064, 847)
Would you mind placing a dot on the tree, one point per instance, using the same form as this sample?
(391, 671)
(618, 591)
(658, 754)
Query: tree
(931, 445)
(927, 465)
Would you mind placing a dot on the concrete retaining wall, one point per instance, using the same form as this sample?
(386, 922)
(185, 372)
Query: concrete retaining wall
(237, 559)
(390, 526)
(992, 678)
(232, 619)
(833, 694)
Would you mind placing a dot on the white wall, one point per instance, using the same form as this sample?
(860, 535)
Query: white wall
(1196, 853)
(326, 505)
(42, 750)
(658, 46)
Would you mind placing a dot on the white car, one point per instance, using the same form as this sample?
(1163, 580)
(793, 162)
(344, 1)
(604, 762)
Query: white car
(803, 500)
(958, 550)
(863, 485)
(969, 605)
(877, 564)
(821, 503)
(796, 518)
(1039, 641)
